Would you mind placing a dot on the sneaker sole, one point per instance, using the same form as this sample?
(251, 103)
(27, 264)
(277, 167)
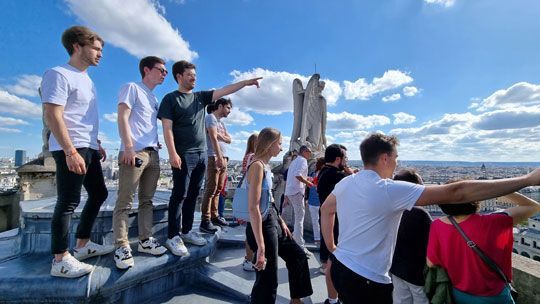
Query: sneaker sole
(95, 254)
(149, 251)
(178, 255)
(61, 275)
(123, 267)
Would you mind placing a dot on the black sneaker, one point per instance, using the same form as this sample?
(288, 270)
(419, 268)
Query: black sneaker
(207, 227)
(220, 221)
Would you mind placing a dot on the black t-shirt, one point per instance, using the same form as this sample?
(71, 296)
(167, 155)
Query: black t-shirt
(186, 110)
(328, 178)
(411, 246)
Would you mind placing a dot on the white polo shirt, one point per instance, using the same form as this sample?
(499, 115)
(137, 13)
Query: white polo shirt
(369, 209)
(69, 87)
(298, 167)
(143, 118)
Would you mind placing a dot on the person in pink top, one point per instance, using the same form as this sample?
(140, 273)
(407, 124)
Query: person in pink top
(472, 279)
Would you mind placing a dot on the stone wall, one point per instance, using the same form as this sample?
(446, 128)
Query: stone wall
(526, 277)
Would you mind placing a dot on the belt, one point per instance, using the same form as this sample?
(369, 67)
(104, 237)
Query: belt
(149, 149)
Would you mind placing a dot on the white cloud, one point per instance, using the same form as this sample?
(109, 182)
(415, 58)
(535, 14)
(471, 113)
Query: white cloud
(349, 121)
(403, 118)
(18, 106)
(238, 118)
(275, 93)
(391, 98)
(9, 130)
(509, 119)
(362, 90)
(111, 117)
(520, 94)
(139, 28)
(410, 91)
(445, 3)
(27, 85)
(10, 121)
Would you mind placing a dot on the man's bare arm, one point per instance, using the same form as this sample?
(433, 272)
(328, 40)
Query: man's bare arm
(235, 87)
(475, 190)
(128, 155)
(328, 212)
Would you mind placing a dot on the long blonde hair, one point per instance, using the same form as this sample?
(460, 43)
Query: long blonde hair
(251, 143)
(266, 138)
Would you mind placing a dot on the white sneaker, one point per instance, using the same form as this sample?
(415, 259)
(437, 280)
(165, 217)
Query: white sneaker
(123, 258)
(308, 253)
(70, 267)
(151, 246)
(247, 265)
(91, 249)
(193, 238)
(176, 246)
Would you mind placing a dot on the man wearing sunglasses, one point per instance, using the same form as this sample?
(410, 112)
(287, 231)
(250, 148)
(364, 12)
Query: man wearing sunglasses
(138, 160)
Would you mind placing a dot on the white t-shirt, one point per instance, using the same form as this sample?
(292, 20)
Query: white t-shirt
(298, 167)
(211, 121)
(67, 86)
(369, 210)
(143, 118)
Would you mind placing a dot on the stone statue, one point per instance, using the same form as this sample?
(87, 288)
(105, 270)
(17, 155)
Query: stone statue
(309, 115)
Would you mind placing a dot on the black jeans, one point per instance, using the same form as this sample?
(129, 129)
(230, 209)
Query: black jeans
(68, 188)
(277, 244)
(354, 288)
(187, 184)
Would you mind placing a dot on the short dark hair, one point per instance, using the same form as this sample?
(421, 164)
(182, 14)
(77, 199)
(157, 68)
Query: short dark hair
(460, 209)
(180, 66)
(408, 175)
(334, 151)
(80, 35)
(220, 102)
(303, 149)
(149, 62)
(376, 144)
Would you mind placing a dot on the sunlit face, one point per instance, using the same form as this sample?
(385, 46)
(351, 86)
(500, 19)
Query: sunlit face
(187, 79)
(392, 162)
(275, 148)
(344, 159)
(90, 54)
(156, 75)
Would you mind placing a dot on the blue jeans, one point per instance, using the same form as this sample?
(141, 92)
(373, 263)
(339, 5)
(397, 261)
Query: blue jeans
(504, 297)
(68, 188)
(187, 183)
(221, 205)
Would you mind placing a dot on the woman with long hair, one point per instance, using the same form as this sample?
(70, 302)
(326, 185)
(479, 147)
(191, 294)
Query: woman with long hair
(267, 233)
(250, 151)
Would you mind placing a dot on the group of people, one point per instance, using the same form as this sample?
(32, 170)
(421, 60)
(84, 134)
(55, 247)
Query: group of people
(196, 144)
(360, 212)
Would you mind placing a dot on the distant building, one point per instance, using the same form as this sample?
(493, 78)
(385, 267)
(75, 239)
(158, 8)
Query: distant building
(527, 241)
(20, 157)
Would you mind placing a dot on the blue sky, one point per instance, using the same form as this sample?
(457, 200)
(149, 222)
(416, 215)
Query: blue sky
(454, 79)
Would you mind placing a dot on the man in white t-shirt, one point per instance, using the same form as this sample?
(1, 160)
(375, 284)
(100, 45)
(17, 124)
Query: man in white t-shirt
(70, 110)
(138, 160)
(369, 206)
(217, 139)
(297, 179)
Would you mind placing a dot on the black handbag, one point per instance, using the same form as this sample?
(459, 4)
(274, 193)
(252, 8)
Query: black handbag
(491, 264)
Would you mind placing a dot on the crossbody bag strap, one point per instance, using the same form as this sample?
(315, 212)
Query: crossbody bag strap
(479, 251)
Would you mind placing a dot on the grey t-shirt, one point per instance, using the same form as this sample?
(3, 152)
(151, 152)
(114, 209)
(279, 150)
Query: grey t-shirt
(186, 110)
(212, 122)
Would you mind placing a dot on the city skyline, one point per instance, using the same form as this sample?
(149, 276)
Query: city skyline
(453, 79)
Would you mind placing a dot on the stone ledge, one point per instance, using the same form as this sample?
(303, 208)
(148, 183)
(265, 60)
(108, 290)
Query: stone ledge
(526, 277)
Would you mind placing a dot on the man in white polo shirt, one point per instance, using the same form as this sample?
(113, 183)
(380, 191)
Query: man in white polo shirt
(297, 179)
(369, 206)
(71, 113)
(138, 160)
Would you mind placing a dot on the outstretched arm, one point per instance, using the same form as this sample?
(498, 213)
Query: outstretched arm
(234, 87)
(474, 190)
